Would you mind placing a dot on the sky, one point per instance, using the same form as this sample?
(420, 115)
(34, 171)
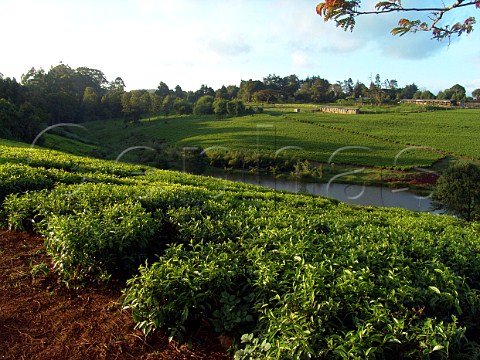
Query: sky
(221, 42)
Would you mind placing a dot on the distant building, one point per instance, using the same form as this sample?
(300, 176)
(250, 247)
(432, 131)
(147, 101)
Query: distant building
(339, 110)
(472, 105)
(433, 102)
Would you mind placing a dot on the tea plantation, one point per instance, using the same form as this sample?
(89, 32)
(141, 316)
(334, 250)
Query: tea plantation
(285, 276)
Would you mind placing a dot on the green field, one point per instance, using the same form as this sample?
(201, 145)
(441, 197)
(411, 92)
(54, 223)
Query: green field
(284, 276)
(389, 139)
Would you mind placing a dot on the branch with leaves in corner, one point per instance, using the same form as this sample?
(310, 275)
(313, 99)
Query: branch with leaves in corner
(344, 14)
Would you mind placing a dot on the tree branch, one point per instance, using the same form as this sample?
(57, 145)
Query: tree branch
(344, 12)
(442, 10)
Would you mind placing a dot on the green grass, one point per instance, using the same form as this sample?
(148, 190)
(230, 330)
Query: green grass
(71, 146)
(454, 132)
(387, 139)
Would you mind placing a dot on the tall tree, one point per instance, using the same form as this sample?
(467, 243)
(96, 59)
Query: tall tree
(248, 87)
(8, 119)
(476, 94)
(90, 103)
(112, 101)
(179, 93)
(92, 78)
(167, 104)
(232, 91)
(407, 92)
(347, 87)
(146, 103)
(315, 89)
(360, 90)
(345, 12)
(292, 84)
(162, 90)
(266, 95)
(376, 92)
(222, 93)
(455, 93)
(132, 105)
(204, 91)
(117, 85)
(424, 95)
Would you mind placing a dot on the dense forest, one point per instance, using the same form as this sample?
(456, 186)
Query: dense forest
(64, 94)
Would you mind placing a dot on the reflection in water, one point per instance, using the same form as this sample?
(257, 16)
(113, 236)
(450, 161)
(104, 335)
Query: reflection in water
(353, 194)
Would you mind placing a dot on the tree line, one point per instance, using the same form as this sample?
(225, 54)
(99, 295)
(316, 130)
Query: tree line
(64, 94)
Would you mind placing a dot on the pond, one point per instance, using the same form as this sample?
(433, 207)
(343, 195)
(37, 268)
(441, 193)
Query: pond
(353, 194)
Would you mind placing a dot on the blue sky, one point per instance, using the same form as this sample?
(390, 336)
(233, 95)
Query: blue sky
(220, 42)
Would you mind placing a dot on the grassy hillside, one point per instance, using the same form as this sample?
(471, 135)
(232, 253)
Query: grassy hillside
(372, 139)
(283, 276)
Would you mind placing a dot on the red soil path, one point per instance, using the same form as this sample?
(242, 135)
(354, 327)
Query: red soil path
(41, 319)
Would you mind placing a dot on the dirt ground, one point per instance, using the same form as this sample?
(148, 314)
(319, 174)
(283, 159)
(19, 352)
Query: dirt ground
(41, 319)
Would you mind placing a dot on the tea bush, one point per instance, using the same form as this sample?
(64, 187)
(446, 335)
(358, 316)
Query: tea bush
(286, 276)
(96, 245)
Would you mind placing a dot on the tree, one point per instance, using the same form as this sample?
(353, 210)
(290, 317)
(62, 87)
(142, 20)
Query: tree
(204, 105)
(360, 90)
(292, 84)
(132, 106)
(162, 90)
(90, 103)
(8, 119)
(179, 93)
(266, 95)
(112, 101)
(222, 93)
(167, 104)
(236, 108)
(117, 85)
(345, 12)
(220, 107)
(30, 122)
(376, 92)
(347, 87)
(232, 91)
(247, 88)
(146, 103)
(204, 91)
(456, 93)
(157, 103)
(86, 77)
(315, 89)
(476, 94)
(458, 190)
(407, 92)
(182, 106)
(424, 95)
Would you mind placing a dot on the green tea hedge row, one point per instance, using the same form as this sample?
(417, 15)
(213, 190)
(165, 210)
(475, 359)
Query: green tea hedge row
(319, 282)
(286, 276)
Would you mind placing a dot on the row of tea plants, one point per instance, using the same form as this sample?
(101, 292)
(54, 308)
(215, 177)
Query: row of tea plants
(284, 276)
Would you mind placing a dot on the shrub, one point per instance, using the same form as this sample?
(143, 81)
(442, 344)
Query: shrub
(204, 105)
(458, 190)
(92, 245)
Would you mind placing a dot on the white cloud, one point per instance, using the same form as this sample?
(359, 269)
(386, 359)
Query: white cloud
(300, 58)
(188, 42)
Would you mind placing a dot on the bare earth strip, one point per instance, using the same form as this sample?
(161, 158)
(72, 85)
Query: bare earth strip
(41, 319)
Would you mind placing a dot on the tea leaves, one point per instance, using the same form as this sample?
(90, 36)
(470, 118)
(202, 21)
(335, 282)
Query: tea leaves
(285, 276)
